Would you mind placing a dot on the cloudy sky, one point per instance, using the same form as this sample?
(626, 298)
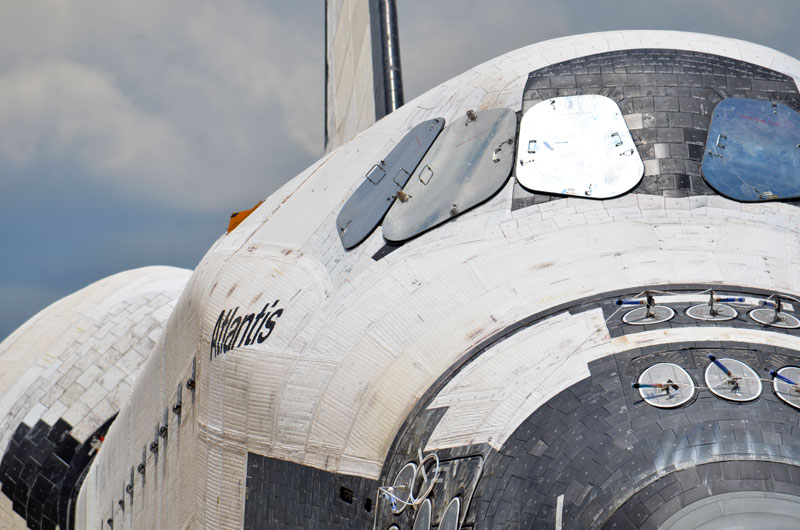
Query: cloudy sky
(129, 130)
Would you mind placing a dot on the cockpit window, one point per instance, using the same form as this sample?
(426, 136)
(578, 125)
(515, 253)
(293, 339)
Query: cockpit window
(752, 152)
(578, 146)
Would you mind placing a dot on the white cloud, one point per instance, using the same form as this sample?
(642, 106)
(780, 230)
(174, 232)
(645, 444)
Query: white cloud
(198, 104)
(210, 105)
(66, 110)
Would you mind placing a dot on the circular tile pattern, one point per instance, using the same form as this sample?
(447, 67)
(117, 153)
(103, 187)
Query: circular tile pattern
(703, 312)
(731, 379)
(767, 316)
(665, 385)
(657, 315)
(788, 392)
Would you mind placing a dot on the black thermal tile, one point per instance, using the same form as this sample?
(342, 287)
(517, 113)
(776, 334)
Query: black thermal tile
(34, 511)
(680, 119)
(42, 489)
(42, 451)
(29, 473)
(562, 81)
(691, 80)
(642, 104)
(700, 121)
(67, 449)
(21, 432)
(8, 487)
(655, 119)
(669, 134)
(39, 431)
(666, 104)
(59, 430)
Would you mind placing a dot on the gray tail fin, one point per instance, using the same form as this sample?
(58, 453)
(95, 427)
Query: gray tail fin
(363, 79)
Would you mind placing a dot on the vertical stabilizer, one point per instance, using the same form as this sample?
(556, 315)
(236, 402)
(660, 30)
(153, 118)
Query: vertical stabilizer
(363, 79)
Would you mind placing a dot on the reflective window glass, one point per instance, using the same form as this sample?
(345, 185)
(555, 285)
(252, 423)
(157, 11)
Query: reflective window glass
(578, 146)
(752, 152)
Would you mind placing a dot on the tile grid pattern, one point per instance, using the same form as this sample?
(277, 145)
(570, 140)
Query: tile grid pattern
(286, 494)
(96, 371)
(666, 97)
(41, 470)
(655, 503)
(617, 328)
(84, 370)
(598, 444)
(597, 438)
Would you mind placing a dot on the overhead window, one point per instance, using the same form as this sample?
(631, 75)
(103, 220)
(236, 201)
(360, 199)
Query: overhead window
(578, 146)
(752, 152)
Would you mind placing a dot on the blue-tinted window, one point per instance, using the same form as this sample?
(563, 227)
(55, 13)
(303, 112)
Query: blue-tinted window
(753, 150)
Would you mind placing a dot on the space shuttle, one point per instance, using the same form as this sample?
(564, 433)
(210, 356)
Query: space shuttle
(558, 291)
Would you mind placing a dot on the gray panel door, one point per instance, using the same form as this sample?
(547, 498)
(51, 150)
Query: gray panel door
(365, 209)
(469, 163)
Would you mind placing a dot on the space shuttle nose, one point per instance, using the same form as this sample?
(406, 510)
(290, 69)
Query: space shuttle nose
(543, 294)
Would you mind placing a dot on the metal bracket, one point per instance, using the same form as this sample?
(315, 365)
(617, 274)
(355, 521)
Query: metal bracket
(402, 196)
(471, 116)
(176, 408)
(618, 141)
(129, 487)
(402, 170)
(499, 149)
(371, 174)
(190, 383)
(429, 175)
(163, 429)
(154, 443)
(720, 137)
(142, 467)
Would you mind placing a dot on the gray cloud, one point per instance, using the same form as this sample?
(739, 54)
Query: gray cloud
(440, 40)
(194, 104)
